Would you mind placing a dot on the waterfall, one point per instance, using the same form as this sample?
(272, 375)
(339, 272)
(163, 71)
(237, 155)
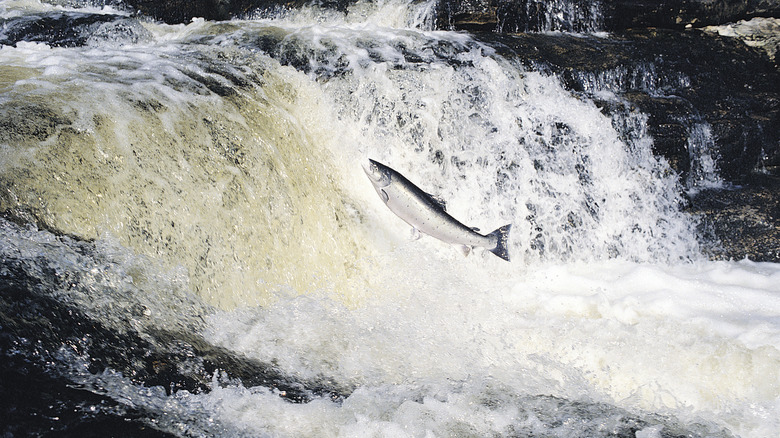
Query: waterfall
(190, 245)
(550, 16)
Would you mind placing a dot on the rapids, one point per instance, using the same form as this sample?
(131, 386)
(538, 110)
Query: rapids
(195, 193)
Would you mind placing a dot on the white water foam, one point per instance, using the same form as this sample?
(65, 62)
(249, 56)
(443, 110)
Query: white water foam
(694, 341)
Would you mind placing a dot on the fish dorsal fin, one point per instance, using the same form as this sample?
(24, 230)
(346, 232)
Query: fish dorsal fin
(437, 201)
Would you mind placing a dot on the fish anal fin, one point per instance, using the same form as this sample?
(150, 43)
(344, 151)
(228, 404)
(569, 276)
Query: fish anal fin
(466, 250)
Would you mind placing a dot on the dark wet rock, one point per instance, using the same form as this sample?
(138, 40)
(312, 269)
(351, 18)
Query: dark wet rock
(68, 29)
(742, 221)
(760, 32)
(622, 14)
(499, 15)
(183, 11)
(47, 342)
(37, 399)
(36, 402)
(587, 16)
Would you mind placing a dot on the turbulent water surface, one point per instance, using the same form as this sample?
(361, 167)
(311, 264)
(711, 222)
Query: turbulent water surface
(189, 241)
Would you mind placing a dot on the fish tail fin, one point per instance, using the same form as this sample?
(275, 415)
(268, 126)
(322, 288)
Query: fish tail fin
(502, 236)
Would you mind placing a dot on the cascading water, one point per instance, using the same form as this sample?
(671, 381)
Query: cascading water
(550, 16)
(608, 85)
(704, 169)
(198, 190)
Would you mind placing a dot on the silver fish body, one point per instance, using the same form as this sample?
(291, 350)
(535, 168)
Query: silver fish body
(427, 213)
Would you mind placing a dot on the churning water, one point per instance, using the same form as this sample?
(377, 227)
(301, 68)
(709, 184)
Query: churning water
(207, 179)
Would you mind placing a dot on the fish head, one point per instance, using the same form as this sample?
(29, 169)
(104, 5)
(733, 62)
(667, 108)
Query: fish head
(378, 173)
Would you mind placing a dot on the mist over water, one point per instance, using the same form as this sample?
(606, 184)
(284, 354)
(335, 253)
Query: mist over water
(206, 179)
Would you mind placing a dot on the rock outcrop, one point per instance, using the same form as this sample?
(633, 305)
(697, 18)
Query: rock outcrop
(183, 11)
(742, 221)
(512, 16)
(760, 32)
(506, 16)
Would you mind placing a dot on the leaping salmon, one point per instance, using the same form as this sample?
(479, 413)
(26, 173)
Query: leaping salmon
(427, 213)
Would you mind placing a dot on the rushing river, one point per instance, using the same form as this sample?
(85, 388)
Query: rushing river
(201, 185)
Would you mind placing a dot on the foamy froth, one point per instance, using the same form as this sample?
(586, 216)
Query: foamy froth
(231, 152)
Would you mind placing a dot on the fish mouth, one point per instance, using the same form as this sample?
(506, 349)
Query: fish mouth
(367, 166)
(375, 173)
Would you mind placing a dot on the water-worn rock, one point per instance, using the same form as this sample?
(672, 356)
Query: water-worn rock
(742, 221)
(502, 15)
(69, 29)
(760, 32)
(183, 11)
(622, 14)
(511, 16)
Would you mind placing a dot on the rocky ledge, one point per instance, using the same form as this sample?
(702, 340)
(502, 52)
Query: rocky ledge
(760, 32)
(741, 221)
(513, 16)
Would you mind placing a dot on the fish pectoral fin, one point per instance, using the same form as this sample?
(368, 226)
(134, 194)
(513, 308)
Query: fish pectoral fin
(383, 195)
(416, 234)
(466, 250)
